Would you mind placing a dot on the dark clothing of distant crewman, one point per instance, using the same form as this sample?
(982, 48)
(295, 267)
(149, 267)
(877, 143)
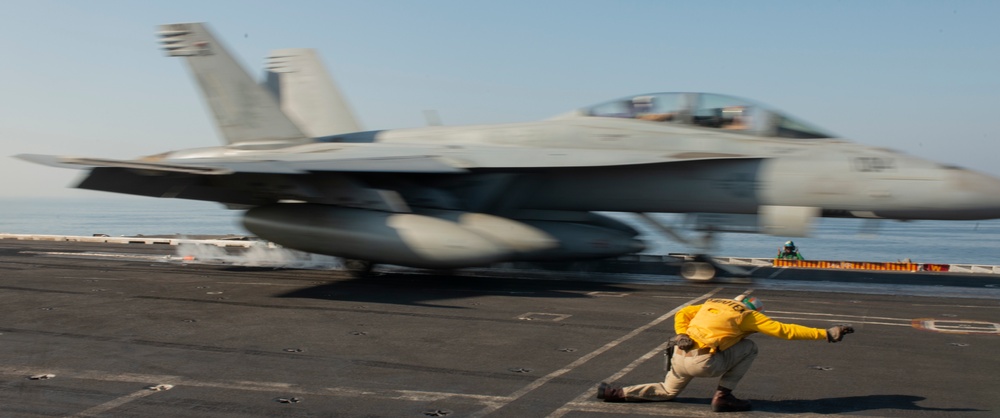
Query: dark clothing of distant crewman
(789, 252)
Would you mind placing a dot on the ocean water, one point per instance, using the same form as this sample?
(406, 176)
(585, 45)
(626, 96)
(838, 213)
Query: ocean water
(116, 216)
(947, 242)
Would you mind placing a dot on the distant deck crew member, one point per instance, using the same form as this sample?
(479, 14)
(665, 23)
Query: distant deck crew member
(711, 342)
(789, 252)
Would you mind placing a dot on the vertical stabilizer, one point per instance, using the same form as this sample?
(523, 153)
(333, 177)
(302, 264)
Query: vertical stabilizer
(307, 93)
(244, 111)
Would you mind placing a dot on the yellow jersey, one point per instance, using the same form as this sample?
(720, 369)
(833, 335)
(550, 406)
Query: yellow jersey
(721, 323)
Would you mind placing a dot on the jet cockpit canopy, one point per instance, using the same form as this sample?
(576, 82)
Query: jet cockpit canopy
(706, 110)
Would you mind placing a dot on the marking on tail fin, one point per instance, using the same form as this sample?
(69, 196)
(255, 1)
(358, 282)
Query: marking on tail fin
(244, 111)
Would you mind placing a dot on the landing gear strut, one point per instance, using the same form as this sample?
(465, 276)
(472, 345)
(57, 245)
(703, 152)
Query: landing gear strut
(701, 268)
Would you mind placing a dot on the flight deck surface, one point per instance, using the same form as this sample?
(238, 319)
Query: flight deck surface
(98, 325)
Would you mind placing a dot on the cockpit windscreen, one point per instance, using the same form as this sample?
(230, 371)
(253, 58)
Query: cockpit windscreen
(708, 111)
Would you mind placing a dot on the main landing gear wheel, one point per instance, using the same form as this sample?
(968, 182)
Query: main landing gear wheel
(358, 268)
(699, 271)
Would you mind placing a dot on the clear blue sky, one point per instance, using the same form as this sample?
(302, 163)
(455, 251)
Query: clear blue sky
(87, 78)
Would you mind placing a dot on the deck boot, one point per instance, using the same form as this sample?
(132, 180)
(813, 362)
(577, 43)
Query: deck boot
(724, 401)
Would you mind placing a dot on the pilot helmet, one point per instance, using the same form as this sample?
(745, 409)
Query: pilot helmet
(789, 244)
(642, 102)
(753, 303)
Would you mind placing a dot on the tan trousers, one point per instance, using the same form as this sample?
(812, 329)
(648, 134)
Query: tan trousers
(731, 364)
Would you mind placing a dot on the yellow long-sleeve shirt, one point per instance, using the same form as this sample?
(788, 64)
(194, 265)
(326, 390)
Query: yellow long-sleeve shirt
(751, 323)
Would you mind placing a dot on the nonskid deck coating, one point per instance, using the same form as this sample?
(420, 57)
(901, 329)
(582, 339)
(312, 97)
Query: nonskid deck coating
(254, 341)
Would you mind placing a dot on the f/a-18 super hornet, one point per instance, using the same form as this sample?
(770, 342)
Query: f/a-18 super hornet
(445, 197)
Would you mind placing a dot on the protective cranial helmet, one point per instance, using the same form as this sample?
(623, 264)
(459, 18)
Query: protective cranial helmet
(643, 100)
(789, 244)
(753, 303)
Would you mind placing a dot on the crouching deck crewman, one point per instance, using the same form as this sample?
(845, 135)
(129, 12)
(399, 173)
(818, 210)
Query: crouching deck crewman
(711, 342)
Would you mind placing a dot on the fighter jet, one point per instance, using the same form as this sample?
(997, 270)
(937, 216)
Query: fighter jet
(446, 197)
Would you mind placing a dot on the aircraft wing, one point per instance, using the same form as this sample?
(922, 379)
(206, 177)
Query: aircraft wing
(282, 165)
(387, 159)
(89, 163)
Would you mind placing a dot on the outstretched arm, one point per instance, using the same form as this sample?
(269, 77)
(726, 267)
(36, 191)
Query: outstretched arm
(758, 322)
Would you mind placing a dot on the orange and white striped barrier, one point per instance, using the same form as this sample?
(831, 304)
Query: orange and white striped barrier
(860, 265)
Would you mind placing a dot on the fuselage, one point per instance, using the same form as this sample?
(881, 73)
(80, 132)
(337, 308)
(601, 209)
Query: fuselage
(721, 172)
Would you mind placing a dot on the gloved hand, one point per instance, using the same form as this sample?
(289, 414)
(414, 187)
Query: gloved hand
(684, 342)
(837, 332)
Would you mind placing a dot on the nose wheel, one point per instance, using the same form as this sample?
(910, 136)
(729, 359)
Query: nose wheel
(703, 268)
(698, 271)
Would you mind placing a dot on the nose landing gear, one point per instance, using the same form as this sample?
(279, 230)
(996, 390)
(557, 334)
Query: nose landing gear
(698, 271)
(703, 268)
